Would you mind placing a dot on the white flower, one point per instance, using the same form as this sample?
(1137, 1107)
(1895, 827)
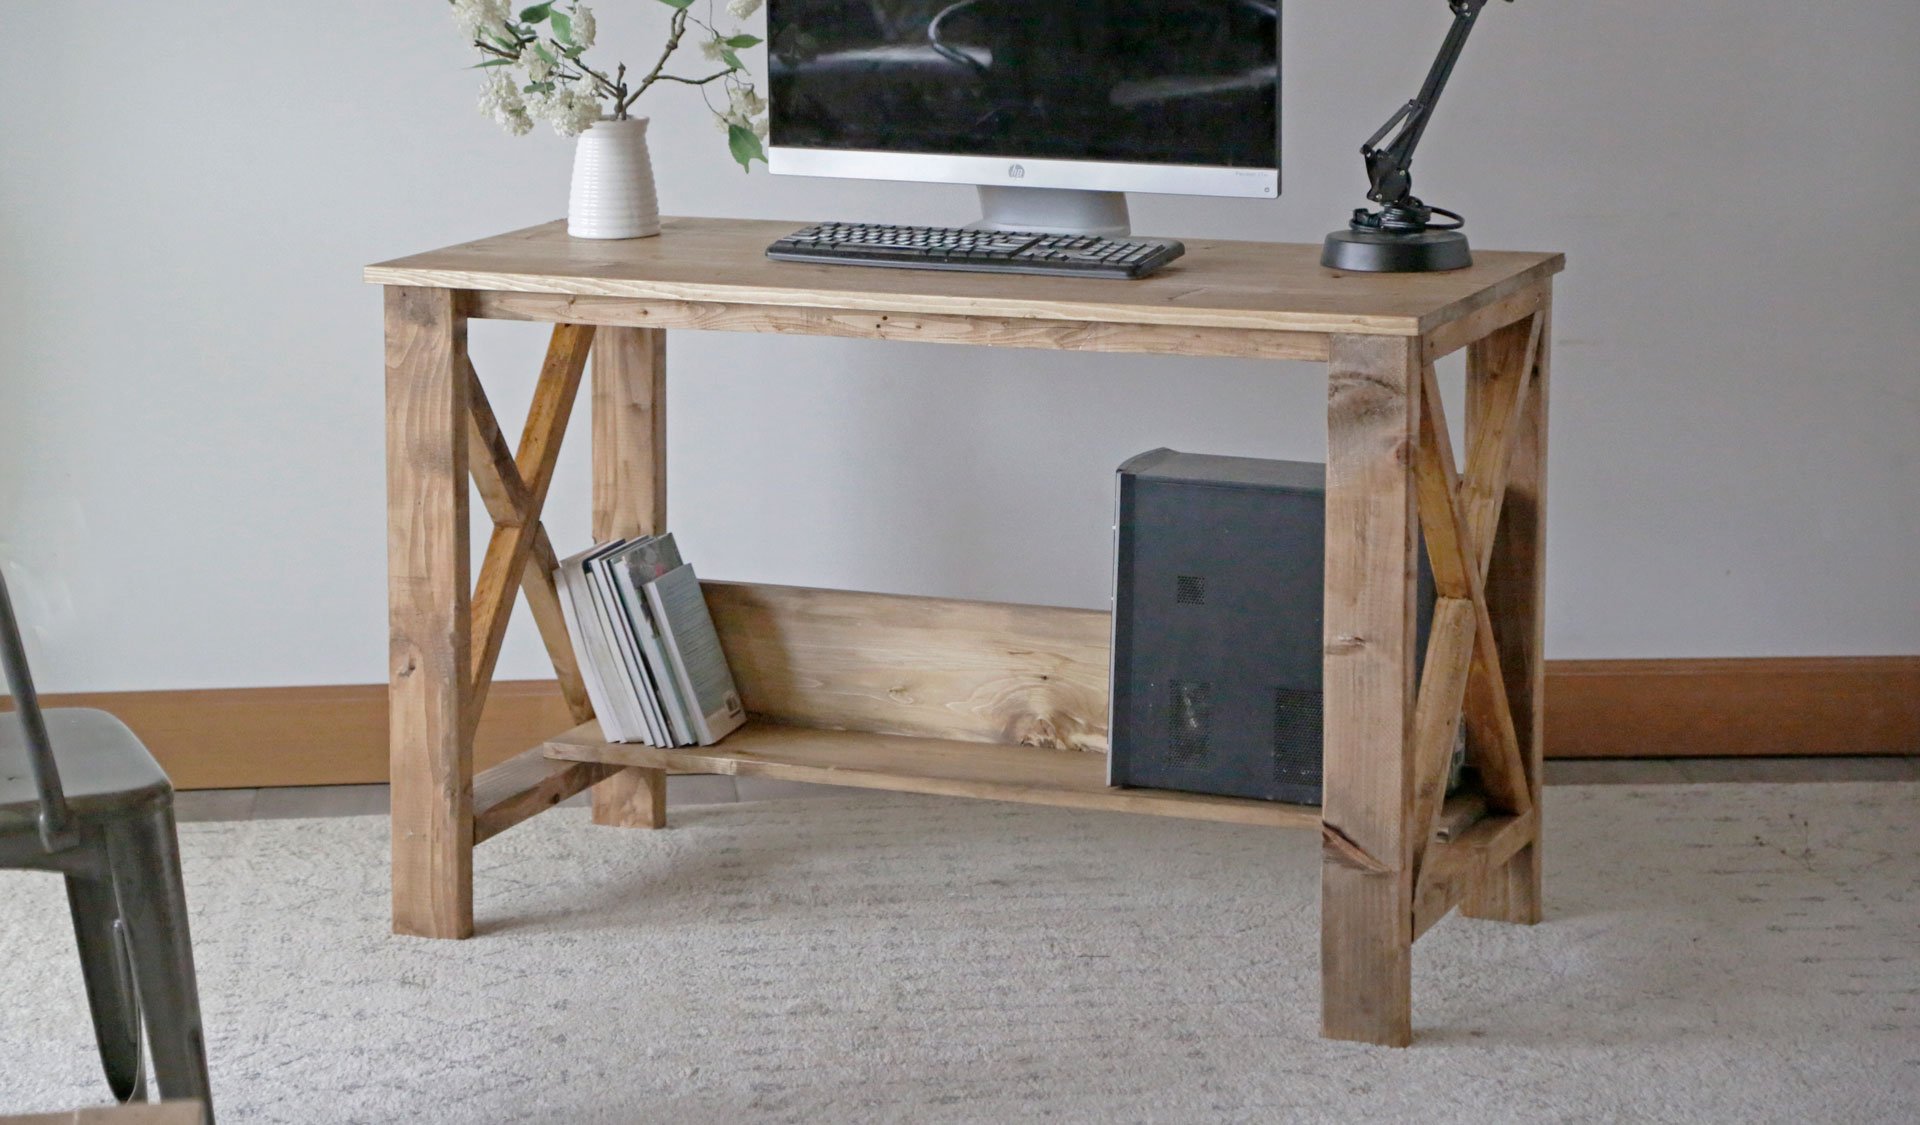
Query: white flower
(745, 102)
(726, 121)
(479, 17)
(500, 100)
(583, 26)
(538, 68)
(712, 48)
(570, 109)
(741, 9)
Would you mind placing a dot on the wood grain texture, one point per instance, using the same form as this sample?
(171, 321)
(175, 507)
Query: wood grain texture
(629, 499)
(1366, 942)
(1461, 811)
(427, 597)
(1457, 866)
(1502, 373)
(1218, 284)
(1025, 774)
(490, 459)
(1485, 321)
(1516, 603)
(629, 434)
(1492, 745)
(315, 734)
(919, 328)
(940, 668)
(520, 556)
(1725, 707)
(525, 785)
(512, 545)
(1436, 715)
(634, 797)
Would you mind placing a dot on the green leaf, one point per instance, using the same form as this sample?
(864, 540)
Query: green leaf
(562, 27)
(491, 62)
(742, 42)
(536, 13)
(745, 145)
(542, 51)
(678, 3)
(733, 60)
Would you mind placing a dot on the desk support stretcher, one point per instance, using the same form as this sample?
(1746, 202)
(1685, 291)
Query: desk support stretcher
(972, 699)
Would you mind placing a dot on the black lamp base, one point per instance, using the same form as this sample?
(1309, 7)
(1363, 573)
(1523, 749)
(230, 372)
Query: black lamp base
(1396, 251)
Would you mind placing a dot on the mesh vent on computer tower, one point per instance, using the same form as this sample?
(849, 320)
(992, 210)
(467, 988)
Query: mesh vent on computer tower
(1297, 737)
(1189, 721)
(1190, 589)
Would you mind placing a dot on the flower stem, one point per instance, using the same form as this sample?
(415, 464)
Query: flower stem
(679, 28)
(694, 81)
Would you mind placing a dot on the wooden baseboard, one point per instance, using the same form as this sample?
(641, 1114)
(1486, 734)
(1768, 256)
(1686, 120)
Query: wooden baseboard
(1758, 707)
(337, 735)
(244, 738)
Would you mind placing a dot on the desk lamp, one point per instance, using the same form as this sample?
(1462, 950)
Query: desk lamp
(1402, 236)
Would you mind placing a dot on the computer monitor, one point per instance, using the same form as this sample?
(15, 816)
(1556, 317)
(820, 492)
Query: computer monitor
(1055, 107)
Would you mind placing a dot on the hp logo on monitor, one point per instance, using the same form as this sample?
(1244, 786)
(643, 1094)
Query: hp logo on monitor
(1017, 172)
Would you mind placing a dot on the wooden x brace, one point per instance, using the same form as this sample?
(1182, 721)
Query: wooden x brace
(521, 557)
(1459, 518)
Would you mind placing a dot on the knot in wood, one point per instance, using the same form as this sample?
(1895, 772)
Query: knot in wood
(1345, 643)
(1339, 848)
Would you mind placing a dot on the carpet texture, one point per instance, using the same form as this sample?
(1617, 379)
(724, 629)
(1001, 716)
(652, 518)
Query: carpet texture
(1743, 953)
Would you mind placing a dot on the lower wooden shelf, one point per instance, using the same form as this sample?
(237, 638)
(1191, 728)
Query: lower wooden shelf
(1027, 774)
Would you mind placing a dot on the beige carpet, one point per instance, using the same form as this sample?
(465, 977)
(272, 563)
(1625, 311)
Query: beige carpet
(1739, 953)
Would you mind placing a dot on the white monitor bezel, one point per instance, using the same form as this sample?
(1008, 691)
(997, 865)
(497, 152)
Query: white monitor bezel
(1014, 171)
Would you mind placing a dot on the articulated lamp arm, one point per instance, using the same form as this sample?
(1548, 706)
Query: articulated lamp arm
(1390, 166)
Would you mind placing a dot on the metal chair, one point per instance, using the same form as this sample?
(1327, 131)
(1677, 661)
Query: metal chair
(107, 825)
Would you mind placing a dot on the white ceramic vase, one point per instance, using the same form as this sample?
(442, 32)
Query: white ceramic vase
(612, 194)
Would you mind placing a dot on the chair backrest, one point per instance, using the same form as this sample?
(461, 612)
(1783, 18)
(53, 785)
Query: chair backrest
(54, 816)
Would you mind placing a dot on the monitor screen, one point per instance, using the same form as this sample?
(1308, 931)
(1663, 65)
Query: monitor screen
(1161, 82)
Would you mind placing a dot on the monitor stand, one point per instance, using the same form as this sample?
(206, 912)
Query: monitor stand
(1054, 211)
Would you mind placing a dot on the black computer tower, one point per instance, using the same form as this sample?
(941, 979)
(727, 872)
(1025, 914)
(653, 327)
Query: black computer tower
(1219, 566)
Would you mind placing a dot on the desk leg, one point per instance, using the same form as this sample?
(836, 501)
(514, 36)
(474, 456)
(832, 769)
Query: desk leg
(1366, 889)
(1516, 600)
(429, 626)
(630, 498)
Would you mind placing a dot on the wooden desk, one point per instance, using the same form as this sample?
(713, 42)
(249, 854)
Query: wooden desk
(971, 699)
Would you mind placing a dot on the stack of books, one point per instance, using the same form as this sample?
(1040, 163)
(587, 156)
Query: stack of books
(646, 644)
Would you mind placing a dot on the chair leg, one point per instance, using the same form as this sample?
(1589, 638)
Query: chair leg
(153, 903)
(109, 979)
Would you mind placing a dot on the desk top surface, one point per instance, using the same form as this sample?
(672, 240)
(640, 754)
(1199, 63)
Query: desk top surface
(1218, 284)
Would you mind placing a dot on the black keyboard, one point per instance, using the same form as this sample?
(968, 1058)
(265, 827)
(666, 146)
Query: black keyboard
(983, 251)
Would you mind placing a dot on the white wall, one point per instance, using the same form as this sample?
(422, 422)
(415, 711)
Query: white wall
(191, 483)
